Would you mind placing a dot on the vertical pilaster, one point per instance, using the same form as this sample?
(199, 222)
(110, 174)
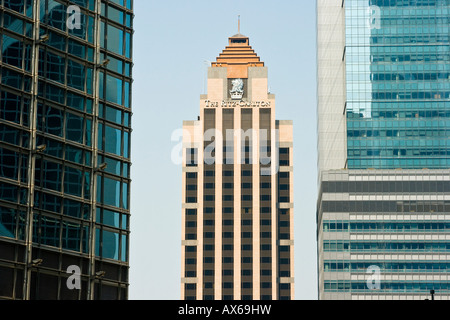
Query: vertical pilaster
(32, 154)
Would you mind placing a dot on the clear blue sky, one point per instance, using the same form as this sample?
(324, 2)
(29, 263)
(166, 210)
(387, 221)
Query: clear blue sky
(171, 42)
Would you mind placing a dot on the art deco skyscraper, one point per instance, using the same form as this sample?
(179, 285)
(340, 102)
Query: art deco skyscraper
(65, 124)
(384, 150)
(237, 216)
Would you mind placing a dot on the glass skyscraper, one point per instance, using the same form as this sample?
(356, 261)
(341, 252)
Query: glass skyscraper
(65, 125)
(383, 210)
(397, 82)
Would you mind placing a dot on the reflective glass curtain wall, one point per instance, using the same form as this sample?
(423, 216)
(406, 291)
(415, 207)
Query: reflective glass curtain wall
(65, 124)
(398, 83)
(383, 212)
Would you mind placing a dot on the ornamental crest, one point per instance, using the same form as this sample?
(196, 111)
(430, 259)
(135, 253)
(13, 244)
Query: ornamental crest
(237, 92)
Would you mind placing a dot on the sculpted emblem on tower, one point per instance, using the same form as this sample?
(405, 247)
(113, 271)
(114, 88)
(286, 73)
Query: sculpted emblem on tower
(237, 92)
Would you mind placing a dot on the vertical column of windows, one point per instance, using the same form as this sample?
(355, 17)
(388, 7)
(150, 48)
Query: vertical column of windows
(284, 223)
(114, 115)
(191, 224)
(191, 233)
(190, 291)
(14, 159)
(246, 206)
(113, 134)
(265, 205)
(209, 187)
(228, 205)
(114, 112)
(64, 127)
(16, 40)
(284, 256)
(191, 217)
(191, 187)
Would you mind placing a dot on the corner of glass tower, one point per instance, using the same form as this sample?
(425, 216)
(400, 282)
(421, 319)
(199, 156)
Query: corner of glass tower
(65, 133)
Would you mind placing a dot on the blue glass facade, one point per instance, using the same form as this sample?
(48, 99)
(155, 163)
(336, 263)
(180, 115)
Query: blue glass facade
(398, 83)
(383, 209)
(65, 125)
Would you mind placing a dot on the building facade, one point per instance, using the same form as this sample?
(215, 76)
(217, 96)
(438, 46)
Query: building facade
(65, 125)
(237, 202)
(383, 140)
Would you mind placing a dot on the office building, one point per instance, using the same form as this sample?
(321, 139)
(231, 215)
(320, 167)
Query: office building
(383, 210)
(65, 125)
(237, 201)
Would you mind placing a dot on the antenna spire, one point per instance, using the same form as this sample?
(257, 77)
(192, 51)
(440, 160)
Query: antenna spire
(239, 24)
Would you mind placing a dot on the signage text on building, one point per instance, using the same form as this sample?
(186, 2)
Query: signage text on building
(237, 104)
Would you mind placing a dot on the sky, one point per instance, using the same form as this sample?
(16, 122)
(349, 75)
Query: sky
(173, 41)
